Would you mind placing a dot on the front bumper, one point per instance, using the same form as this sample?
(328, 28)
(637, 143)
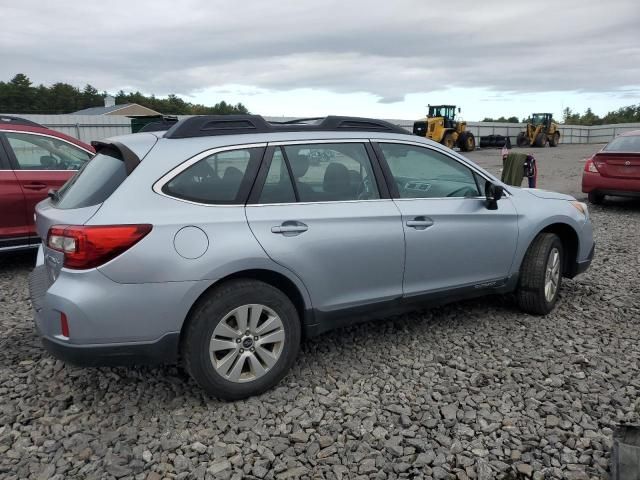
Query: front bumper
(581, 267)
(109, 323)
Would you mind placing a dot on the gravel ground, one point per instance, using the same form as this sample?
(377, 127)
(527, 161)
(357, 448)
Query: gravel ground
(471, 390)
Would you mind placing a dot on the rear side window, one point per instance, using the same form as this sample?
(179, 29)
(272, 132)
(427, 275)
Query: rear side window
(332, 172)
(93, 183)
(277, 186)
(221, 178)
(39, 152)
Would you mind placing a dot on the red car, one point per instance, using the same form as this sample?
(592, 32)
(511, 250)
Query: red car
(33, 160)
(614, 170)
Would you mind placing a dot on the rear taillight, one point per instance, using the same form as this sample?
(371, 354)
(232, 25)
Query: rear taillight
(91, 246)
(590, 166)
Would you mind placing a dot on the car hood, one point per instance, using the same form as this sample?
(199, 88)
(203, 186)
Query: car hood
(548, 194)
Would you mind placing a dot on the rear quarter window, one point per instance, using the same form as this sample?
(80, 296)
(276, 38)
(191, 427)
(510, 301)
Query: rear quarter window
(93, 183)
(223, 178)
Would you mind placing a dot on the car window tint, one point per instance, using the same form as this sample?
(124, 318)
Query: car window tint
(624, 144)
(424, 173)
(332, 172)
(220, 178)
(38, 152)
(277, 186)
(94, 183)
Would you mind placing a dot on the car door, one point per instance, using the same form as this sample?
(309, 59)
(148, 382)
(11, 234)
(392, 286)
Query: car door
(452, 239)
(41, 163)
(332, 225)
(13, 216)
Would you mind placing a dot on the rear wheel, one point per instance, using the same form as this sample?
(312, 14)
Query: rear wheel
(555, 140)
(541, 140)
(596, 198)
(241, 340)
(447, 140)
(541, 275)
(522, 140)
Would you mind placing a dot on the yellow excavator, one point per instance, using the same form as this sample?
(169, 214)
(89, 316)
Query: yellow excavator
(440, 126)
(541, 129)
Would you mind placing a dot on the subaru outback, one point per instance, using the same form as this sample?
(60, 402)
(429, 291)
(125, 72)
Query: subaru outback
(224, 241)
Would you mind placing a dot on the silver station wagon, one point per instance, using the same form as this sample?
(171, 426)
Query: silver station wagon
(224, 241)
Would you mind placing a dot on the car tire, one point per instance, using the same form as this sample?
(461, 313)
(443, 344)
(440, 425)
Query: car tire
(596, 198)
(467, 142)
(447, 140)
(555, 140)
(540, 141)
(522, 140)
(217, 322)
(541, 275)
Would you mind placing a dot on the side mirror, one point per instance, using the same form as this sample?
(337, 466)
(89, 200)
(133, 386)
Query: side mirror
(493, 193)
(459, 109)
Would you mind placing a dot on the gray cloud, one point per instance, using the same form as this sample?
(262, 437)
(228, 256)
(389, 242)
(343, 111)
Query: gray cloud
(388, 49)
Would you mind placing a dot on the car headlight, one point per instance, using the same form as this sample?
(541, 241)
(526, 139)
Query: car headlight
(581, 207)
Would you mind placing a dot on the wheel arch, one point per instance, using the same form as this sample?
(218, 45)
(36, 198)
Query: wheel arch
(300, 299)
(570, 244)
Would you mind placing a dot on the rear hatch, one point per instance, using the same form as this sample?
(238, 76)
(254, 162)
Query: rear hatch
(83, 195)
(618, 164)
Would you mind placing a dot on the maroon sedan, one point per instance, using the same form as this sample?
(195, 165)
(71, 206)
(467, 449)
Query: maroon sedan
(614, 170)
(33, 160)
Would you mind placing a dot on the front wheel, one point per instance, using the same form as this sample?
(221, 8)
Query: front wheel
(541, 275)
(241, 339)
(447, 140)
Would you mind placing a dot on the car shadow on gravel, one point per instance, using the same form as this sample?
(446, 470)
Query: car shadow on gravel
(337, 348)
(17, 260)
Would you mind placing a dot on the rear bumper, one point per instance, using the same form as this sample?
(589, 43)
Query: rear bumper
(109, 323)
(594, 182)
(163, 351)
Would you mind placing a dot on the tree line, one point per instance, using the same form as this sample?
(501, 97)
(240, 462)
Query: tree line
(19, 95)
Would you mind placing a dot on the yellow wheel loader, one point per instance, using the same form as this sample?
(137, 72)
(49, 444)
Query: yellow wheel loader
(541, 129)
(441, 126)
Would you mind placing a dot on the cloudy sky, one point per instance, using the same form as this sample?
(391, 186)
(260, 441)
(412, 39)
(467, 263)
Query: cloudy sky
(372, 58)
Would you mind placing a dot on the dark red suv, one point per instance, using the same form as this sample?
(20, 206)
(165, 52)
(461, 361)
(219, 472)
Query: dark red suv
(33, 160)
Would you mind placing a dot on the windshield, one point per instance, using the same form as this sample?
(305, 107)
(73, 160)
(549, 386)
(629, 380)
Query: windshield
(539, 118)
(442, 111)
(624, 144)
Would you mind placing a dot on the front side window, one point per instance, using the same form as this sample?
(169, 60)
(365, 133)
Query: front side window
(424, 173)
(332, 172)
(39, 152)
(221, 178)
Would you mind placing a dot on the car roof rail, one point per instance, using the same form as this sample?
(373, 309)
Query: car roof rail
(162, 124)
(11, 120)
(210, 125)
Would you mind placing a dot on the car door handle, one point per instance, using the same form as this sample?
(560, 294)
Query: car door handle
(290, 228)
(34, 186)
(420, 223)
